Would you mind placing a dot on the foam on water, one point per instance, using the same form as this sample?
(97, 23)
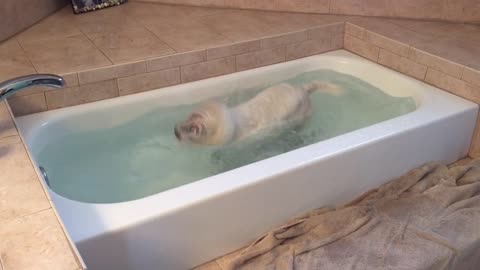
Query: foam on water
(141, 156)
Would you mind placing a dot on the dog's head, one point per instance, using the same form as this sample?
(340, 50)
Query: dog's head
(209, 124)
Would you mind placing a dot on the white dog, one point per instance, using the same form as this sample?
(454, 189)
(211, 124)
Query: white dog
(278, 106)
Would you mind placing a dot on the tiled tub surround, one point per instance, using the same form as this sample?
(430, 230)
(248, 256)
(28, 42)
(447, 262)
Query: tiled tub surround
(451, 10)
(142, 46)
(446, 55)
(31, 236)
(150, 48)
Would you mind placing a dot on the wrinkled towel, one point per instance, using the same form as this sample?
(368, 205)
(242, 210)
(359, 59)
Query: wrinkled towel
(426, 219)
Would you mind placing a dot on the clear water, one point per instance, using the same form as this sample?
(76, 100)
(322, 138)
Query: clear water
(141, 156)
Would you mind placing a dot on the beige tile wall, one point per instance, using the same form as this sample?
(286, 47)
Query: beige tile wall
(16, 15)
(451, 10)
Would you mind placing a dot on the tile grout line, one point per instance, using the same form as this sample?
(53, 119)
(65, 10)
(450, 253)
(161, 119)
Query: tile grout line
(26, 215)
(411, 49)
(426, 72)
(26, 55)
(462, 74)
(213, 30)
(428, 68)
(159, 38)
(169, 45)
(9, 136)
(115, 81)
(433, 38)
(45, 99)
(96, 47)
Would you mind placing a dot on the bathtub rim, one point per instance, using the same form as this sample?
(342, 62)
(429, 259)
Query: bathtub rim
(189, 193)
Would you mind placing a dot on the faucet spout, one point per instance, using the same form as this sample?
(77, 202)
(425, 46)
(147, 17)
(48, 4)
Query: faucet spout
(9, 87)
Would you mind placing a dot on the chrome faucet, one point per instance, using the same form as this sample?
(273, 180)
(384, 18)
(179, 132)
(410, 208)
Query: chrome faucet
(8, 88)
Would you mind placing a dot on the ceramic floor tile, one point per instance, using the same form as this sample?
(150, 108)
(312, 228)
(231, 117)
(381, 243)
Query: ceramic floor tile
(13, 62)
(64, 55)
(14, 66)
(129, 45)
(470, 36)
(10, 47)
(7, 128)
(390, 30)
(187, 35)
(143, 12)
(20, 187)
(453, 49)
(438, 29)
(240, 25)
(35, 242)
(289, 22)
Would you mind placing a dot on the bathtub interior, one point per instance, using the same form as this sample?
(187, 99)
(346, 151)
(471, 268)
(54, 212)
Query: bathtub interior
(113, 113)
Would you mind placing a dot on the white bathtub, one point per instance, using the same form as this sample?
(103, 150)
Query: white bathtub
(189, 225)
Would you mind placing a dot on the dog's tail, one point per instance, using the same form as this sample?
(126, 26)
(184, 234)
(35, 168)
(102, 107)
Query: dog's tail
(324, 87)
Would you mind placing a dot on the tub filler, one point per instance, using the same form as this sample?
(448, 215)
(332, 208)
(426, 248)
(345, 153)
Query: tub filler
(187, 224)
